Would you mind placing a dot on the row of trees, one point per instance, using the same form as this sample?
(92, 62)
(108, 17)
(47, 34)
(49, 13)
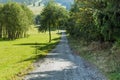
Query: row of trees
(14, 20)
(95, 20)
(52, 16)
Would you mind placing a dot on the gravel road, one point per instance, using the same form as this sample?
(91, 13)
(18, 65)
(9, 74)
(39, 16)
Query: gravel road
(62, 64)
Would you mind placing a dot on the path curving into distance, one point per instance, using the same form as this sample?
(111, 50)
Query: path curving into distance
(62, 64)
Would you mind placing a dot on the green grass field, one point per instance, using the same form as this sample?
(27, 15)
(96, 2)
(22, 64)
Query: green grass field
(16, 57)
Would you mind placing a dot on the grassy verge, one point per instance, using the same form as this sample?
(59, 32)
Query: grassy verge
(106, 59)
(16, 57)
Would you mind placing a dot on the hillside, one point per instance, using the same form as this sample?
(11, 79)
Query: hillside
(20, 1)
(66, 3)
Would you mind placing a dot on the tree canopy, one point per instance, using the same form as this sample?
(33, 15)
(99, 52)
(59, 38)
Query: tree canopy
(95, 20)
(15, 19)
(51, 17)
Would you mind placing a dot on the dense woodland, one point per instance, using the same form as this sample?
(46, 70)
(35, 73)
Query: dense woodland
(96, 20)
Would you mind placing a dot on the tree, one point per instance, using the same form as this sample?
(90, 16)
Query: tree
(62, 16)
(29, 14)
(107, 19)
(51, 16)
(80, 23)
(95, 20)
(1, 20)
(15, 21)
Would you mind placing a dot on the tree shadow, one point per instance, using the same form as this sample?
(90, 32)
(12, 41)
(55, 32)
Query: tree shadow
(51, 75)
(45, 47)
(41, 46)
(56, 39)
(54, 74)
(32, 44)
(4, 39)
(33, 58)
(65, 72)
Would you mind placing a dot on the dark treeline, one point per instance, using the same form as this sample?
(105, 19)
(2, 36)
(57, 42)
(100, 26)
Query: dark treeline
(14, 20)
(95, 20)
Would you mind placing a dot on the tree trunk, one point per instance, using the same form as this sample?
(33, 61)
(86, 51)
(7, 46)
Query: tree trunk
(49, 34)
(0, 30)
(58, 29)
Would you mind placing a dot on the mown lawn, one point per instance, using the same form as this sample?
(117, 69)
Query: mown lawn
(16, 57)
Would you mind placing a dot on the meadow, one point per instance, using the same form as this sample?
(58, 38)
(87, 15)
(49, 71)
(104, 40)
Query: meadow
(17, 56)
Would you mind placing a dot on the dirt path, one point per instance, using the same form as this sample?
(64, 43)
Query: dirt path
(61, 64)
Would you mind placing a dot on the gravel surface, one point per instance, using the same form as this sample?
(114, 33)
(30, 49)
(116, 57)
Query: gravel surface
(62, 64)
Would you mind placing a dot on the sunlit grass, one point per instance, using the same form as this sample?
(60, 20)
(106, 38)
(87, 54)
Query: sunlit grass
(16, 57)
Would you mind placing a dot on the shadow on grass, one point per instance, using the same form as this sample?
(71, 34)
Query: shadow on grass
(47, 47)
(32, 44)
(41, 46)
(56, 39)
(33, 58)
(38, 47)
(4, 39)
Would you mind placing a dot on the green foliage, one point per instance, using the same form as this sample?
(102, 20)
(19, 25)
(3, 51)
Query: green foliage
(107, 20)
(1, 21)
(81, 24)
(95, 20)
(15, 19)
(29, 14)
(52, 16)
